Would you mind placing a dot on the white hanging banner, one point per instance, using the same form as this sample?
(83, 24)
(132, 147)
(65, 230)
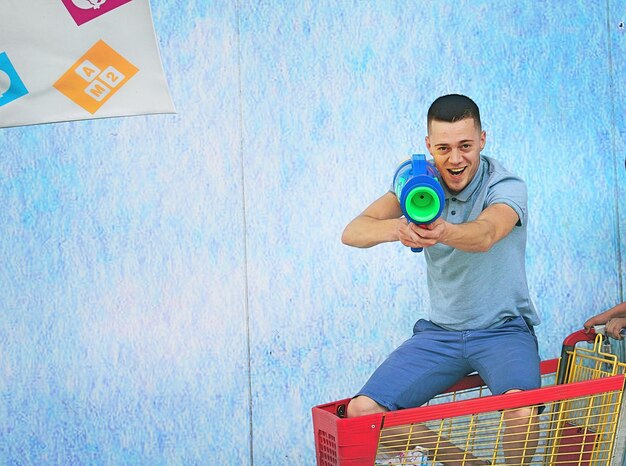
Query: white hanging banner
(63, 60)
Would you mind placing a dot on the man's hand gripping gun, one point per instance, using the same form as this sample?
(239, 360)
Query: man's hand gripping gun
(419, 192)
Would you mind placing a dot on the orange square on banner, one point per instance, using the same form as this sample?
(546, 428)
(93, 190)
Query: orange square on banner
(95, 77)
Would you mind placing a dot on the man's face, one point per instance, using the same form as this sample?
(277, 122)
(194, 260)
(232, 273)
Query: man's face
(456, 147)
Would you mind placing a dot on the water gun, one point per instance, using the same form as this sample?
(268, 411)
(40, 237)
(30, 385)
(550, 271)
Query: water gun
(419, 192)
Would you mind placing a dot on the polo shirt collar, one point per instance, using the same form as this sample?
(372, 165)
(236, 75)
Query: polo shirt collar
(476, 182)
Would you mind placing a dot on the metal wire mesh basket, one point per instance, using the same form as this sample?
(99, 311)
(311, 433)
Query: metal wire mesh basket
(581, 409)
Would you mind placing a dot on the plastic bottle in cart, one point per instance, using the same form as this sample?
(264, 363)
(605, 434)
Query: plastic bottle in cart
(418, 457)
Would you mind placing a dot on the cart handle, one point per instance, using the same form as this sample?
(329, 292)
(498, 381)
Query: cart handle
(586, 335)
(601, 329)
(581, 335)
(568, 346)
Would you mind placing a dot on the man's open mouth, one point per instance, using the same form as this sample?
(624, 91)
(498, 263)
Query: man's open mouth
(456, 171)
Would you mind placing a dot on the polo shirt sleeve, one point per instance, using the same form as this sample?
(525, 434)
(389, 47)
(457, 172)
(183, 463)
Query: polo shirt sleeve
(510, 190)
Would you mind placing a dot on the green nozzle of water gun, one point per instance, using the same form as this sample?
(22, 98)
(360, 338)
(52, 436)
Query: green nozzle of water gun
(422, 204)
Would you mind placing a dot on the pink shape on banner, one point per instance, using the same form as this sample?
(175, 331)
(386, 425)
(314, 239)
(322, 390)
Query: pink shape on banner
(86, 10)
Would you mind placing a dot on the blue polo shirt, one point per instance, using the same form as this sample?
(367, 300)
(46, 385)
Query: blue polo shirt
(469, 290)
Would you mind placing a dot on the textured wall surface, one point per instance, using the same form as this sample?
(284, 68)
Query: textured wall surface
(174, 289)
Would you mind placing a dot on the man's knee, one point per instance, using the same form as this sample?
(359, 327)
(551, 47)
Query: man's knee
(520, 414)
(362, 405)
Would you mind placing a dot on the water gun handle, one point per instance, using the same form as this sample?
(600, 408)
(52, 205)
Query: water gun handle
(417, 249)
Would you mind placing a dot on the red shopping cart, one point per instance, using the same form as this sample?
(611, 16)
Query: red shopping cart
(581, 396)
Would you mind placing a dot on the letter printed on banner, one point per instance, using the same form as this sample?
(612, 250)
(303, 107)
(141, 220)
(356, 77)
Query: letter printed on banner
(87, 70)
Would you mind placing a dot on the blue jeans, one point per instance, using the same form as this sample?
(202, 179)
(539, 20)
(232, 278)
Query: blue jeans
(434, 359)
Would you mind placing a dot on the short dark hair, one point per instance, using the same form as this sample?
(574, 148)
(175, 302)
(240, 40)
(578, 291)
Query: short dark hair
(452, 108)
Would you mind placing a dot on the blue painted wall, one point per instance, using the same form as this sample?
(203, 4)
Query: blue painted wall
(173, 288)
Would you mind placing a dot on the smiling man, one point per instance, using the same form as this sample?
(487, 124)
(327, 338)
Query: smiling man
(476, 276)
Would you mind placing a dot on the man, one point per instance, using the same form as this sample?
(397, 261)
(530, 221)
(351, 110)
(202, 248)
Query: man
(481, 317)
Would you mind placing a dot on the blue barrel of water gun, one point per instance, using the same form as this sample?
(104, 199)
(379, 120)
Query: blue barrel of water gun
(417, 187)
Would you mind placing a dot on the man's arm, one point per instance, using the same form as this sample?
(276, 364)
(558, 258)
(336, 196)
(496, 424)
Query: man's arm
(379, 223)
(616, 312)
(493, 224)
